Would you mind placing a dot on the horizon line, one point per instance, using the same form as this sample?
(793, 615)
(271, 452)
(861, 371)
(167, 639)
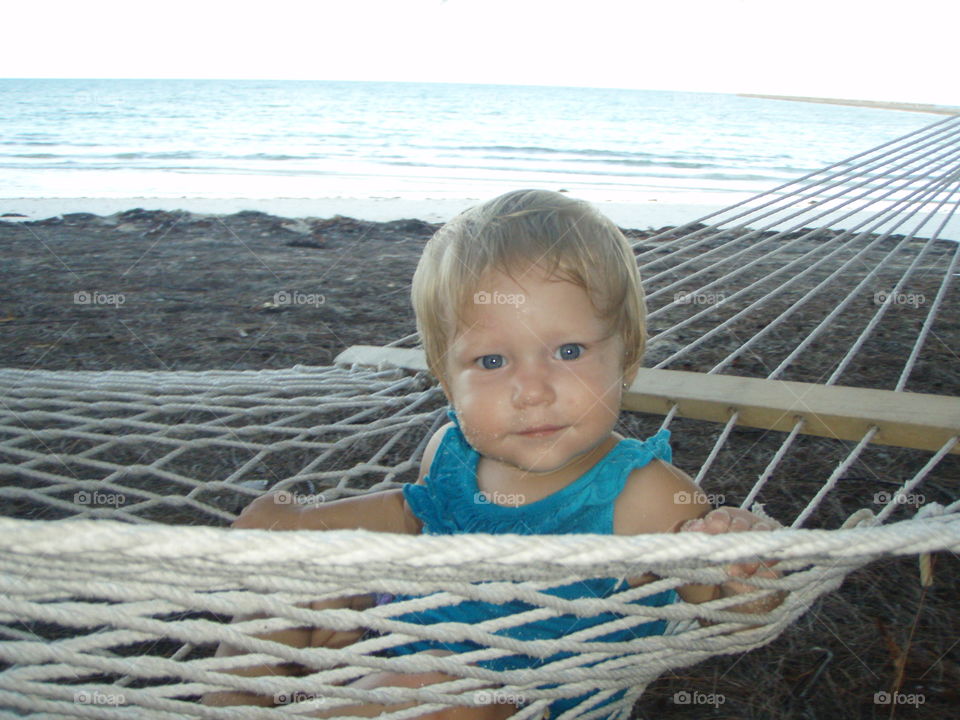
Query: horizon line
(907, 105)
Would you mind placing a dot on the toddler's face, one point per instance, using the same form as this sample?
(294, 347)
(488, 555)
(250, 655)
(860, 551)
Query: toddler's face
(533, 374)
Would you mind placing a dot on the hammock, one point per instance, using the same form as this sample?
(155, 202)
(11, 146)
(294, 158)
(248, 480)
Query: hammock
(119, 579)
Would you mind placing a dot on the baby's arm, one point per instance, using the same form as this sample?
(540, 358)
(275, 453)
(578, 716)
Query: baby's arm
(385, 511)
(661, 498)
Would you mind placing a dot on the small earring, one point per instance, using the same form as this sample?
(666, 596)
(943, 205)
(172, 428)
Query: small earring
(624, 386)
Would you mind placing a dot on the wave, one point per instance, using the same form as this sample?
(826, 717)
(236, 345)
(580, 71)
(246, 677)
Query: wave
(594, 162)
(400, 134)
(266, 164)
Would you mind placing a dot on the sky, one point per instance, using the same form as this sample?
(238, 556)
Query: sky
(861, 49)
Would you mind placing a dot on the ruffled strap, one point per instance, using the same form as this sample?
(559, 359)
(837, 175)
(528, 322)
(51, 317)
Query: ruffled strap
(449, 501)
(604, 482)
(452, 473)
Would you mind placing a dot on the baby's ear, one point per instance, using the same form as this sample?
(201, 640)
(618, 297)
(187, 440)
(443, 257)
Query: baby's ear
(443, 384)
(435, 371)
(445, 387)
(630, 374)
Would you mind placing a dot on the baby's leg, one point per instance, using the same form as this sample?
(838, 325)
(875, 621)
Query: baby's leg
(266, 513)
(497, 711)
(385, 511)
(295, 637)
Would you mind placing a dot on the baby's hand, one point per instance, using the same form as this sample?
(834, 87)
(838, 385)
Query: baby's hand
(731, 519)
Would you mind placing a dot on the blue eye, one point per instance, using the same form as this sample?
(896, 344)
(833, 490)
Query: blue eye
(491, 362)
(569, 351)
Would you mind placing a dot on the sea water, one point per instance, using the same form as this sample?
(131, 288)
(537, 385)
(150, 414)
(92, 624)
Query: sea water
(272, 139)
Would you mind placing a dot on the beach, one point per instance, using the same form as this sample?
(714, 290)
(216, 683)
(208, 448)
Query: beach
(211, 269)
(653, 211)
(295, 282)
(119, 287)
(265, 225)
(153, 289)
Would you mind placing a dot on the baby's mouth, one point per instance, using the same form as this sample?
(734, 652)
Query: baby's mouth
(541, 431)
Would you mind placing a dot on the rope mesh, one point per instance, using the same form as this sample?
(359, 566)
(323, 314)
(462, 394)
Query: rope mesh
(117, 582)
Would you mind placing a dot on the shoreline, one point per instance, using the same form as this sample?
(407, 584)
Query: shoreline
(876, 104)
(652, 213)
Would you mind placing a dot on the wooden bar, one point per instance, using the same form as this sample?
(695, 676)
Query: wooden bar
(913, 420)
(375, 356)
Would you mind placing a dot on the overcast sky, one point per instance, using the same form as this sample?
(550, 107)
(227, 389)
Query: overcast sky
(865, 49)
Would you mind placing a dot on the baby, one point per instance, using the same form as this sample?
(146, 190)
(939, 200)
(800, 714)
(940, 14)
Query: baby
(532, 318)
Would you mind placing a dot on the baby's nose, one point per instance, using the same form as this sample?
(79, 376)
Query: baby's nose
(532, 387)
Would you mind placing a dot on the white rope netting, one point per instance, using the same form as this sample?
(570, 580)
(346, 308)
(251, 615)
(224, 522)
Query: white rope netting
(118, 575)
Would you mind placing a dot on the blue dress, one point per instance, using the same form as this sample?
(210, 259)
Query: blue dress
(447, 504)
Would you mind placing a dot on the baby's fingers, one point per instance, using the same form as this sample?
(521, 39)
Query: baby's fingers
(760, 568)
(733, 587)
(766, 569)
(695, 525)
(742, 570)
(714, 523)
(739, 520)
(720, 521)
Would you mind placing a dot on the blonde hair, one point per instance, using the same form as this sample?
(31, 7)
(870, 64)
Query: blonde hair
(568, 237)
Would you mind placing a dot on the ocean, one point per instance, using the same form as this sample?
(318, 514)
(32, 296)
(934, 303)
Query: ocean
(279, 139)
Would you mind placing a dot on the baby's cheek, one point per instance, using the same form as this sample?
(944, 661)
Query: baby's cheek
(598, 397)
(479, 418)
(478, 437)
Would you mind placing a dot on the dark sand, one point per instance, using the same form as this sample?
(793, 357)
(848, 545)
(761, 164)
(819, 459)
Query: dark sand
(160, 290)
